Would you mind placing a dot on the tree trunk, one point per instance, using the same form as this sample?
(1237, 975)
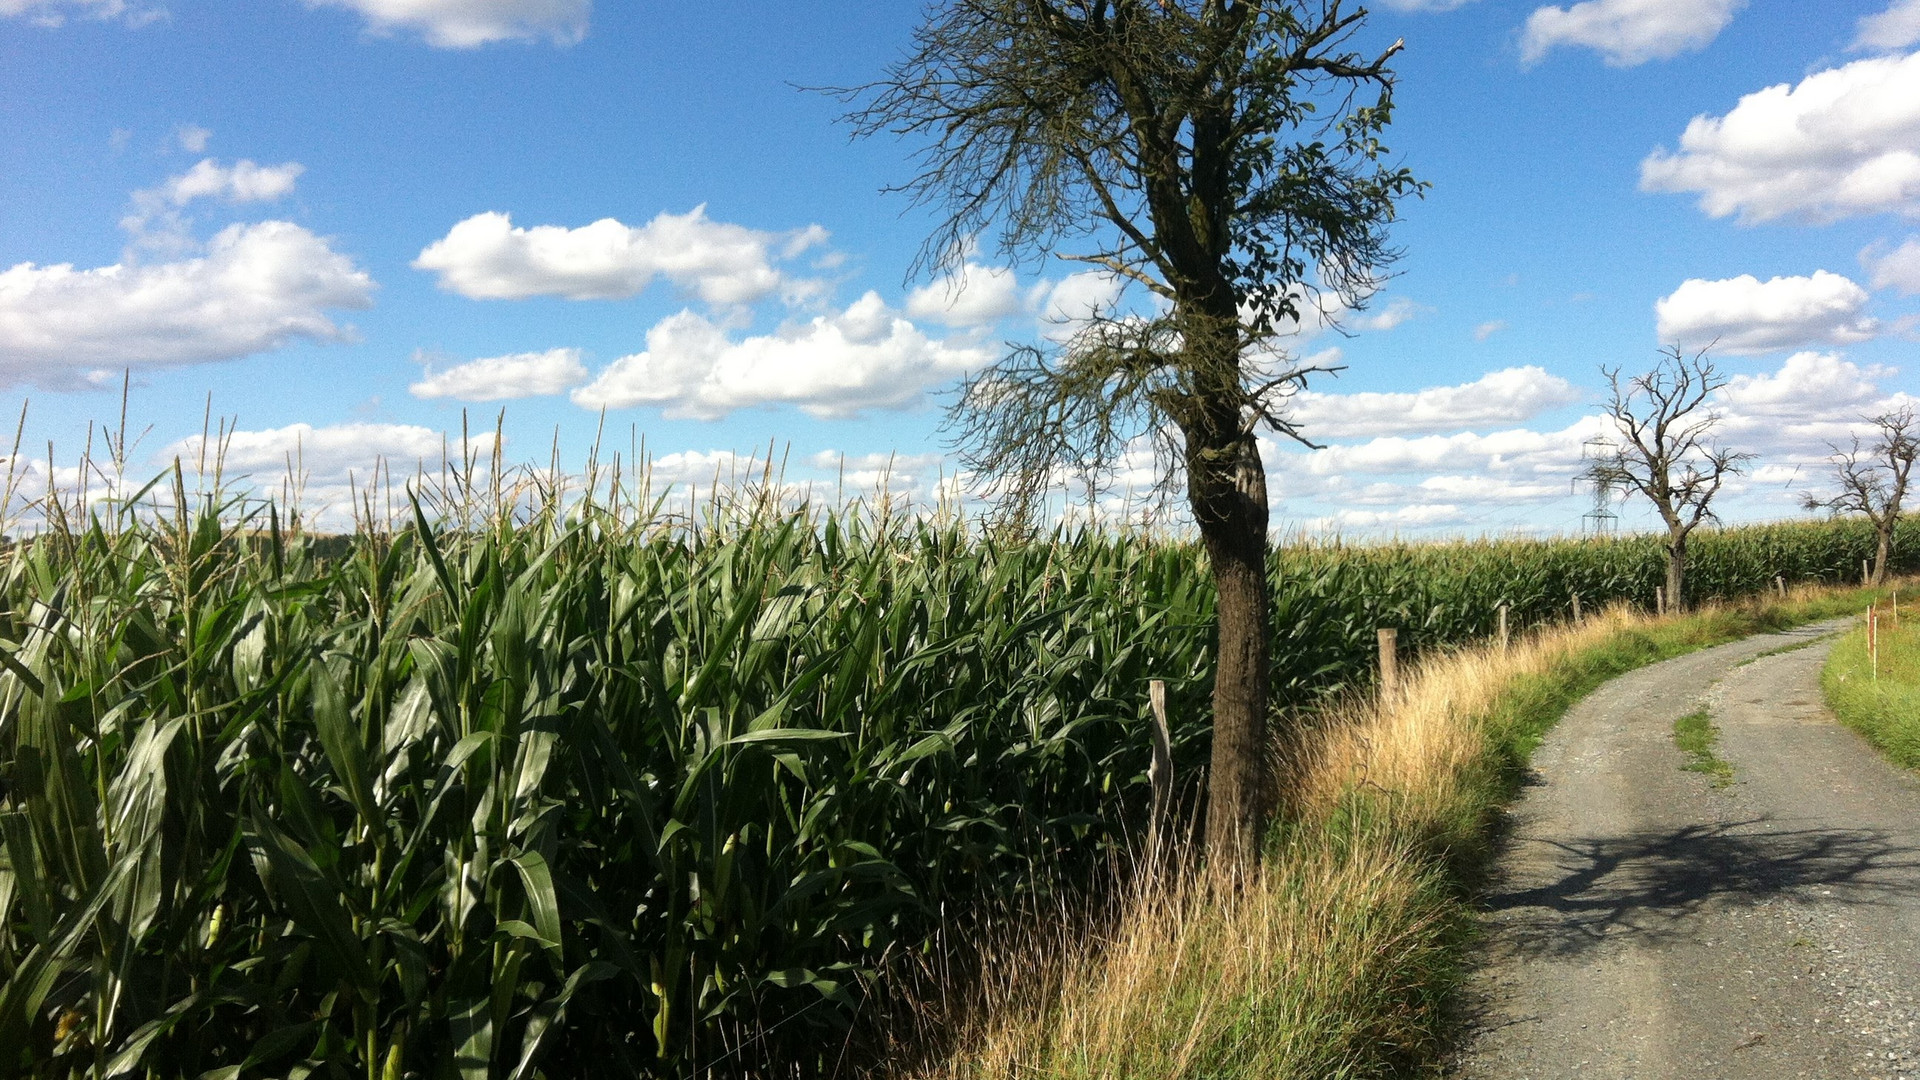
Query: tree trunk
(1676, 572)
(1883, 551)
(1230, 505)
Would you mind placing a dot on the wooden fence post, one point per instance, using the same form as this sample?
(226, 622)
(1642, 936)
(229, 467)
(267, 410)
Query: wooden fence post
(1873, 640)
(1781, 582)
(1659, 599)
(1389, 662)
(1503, 628)
(1160, 771)
(1576, 607)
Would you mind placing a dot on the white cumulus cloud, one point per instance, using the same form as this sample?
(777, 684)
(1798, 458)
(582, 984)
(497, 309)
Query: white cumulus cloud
(156, 218)
(328, 470)
(468, 24)
(1895, 269)
(55, 12)
(684, 467)
(1896, 28)
(1397, 311)
(1747, 315)
(1078, 297)
(244, 182)
(874, 463)
(1627, 32)
(257, 288)
(866, 357)
(504, 378)
(1798, 413)
(1065, 307)
(977, 296)
(1514, 450)
(1501, 397)
(919, 475)
(1488, 489)
(1809, 386)
(1790, 415)
(1840, 143)
(328, 453)
(1422, 516)
(486, 257)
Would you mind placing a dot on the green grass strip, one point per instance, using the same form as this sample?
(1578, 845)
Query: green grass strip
(1782, 650)
(1886, 709)
(1695, 735)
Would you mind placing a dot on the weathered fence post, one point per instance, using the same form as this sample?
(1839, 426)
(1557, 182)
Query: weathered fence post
(1389, 662)
(1576, 607)
(1781, 583)
(1160, 771)
(1503, 628)
(1659, 599)
(1873, 640)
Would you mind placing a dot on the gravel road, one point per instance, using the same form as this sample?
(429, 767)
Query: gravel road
(1645, 923)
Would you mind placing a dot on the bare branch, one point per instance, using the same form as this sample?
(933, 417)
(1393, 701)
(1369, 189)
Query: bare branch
(1668, 455)
(1871, 481)
(1215, 153)
(1125, 270)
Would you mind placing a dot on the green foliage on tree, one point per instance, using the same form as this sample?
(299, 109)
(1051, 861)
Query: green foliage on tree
(1224, 157)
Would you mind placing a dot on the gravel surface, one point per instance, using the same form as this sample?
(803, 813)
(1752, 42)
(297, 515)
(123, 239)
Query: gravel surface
(1645, 923)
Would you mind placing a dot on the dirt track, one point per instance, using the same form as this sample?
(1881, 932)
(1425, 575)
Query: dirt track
(1646, 924)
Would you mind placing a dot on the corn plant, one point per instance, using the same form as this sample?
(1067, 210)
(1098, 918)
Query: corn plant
(574, 790)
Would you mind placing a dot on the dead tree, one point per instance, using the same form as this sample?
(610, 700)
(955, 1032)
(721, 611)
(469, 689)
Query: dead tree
(1666, 422)
(1872, 481)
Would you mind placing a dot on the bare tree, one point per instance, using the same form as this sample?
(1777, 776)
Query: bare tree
(1873, 480)
(1217, 154)
(1667, 423)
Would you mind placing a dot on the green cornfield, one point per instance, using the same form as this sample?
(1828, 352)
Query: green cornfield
(592, 791)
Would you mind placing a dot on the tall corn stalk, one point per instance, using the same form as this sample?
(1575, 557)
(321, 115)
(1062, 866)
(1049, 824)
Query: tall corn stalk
(526, 778)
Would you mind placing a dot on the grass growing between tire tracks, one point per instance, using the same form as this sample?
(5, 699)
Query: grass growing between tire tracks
(1695, 735)
(1338, 958)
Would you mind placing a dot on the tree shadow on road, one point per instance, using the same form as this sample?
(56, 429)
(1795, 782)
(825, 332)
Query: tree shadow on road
(1642, 886)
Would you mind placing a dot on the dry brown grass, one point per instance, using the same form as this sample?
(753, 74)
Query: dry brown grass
(1333, 961)
(1281, 976)
(1419, 744)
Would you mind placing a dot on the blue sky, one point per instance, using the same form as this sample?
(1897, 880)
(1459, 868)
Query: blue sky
(349, 220)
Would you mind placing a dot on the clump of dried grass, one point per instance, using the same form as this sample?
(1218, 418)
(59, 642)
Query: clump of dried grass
(1334, 960)
(1419, 746)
